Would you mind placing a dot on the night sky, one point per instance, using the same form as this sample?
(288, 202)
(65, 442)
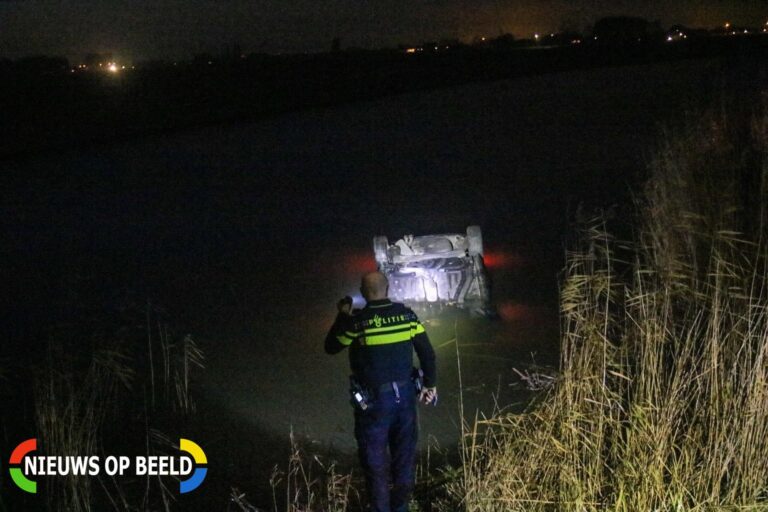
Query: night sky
(141, 29)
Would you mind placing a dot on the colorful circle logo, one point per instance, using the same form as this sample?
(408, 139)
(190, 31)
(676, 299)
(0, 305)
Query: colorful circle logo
(198, 475)
(25, 484)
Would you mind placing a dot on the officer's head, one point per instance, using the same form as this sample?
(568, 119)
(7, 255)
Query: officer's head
(374, 286)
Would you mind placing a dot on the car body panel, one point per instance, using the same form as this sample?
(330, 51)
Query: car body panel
(430, 273)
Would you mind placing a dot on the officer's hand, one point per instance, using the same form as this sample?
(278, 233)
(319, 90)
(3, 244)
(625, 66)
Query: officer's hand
(428, 395)
(345, 305)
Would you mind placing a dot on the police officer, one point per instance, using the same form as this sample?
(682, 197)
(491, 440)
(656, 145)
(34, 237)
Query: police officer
(381, 338)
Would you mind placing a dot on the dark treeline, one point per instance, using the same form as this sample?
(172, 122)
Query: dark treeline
(46, 104)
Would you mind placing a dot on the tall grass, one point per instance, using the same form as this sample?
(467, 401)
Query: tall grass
(70, 409)
(308, 484)
(85, 382)
(662, 403)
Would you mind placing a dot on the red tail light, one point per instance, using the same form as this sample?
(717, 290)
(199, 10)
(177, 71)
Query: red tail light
(502, 259)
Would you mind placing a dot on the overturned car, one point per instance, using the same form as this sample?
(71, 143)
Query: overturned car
(431, 273)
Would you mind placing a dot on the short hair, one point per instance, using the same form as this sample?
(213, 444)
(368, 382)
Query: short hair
(374, 285)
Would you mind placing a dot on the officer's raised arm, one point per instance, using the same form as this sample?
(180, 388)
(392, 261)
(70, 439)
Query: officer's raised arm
(341, 334)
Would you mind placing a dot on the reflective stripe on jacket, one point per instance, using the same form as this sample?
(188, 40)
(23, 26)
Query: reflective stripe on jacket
(381, 339)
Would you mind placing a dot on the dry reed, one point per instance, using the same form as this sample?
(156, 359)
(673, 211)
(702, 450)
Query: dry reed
(662, 403)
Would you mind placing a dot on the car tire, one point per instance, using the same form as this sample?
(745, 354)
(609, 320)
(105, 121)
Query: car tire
(474, 240)
(380, 247)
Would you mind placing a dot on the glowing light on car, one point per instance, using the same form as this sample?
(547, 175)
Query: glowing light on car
(112, 67)
(501, 259)
(360, 262)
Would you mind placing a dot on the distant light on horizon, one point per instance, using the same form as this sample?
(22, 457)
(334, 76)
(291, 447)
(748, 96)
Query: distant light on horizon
(130, 33)
(112, 67)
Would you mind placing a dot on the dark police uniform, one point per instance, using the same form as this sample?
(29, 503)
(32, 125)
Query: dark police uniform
(381, 340)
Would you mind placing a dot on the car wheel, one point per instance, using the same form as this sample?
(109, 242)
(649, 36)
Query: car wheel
(380, 246)
(474, 240)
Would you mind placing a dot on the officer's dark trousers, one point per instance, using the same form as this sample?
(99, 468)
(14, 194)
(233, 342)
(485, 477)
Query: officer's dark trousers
(386, 437)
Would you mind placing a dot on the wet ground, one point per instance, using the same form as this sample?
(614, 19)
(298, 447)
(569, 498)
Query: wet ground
(248, 234)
